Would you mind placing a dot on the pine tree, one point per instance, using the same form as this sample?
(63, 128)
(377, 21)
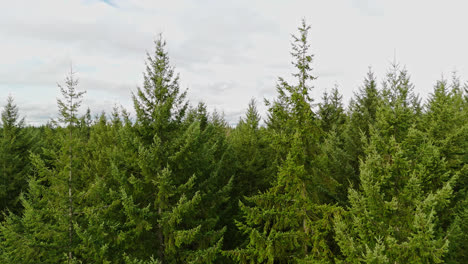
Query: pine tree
(46, 225)
(331, 112)
(289, 222)
(445, 122)
(283, 225)
(169, 200)
(335, 162)
(401, 108)
(68, 108)
(160, 104)
(15, 143)
(394, 215)
(253, 154)
(362, 115)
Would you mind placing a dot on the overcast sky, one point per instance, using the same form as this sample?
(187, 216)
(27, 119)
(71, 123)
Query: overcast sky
(225, 51)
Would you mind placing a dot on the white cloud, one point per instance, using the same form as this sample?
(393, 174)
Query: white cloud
(226, 51)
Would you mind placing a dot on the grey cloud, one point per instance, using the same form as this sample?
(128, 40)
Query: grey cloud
(222, 33)
(369, 7)
(36, 114)
(218, 88)
(112, 88)
(39, 73)
(114, 37)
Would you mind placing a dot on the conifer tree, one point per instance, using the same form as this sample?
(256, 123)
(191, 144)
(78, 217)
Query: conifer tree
(160, 104)
(46, 226)
(253, 154)
(331, 112)
(334, 161)
(68, 108)
(292, 113)
(290, 223)
(395, 215)
(15, 143)
(283, 224)
(446, 123)
(365, 103)
(254, 173)
(169, 201)
(362, 115)
(401, 108)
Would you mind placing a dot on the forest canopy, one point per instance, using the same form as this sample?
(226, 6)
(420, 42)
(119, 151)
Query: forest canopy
(382, 180)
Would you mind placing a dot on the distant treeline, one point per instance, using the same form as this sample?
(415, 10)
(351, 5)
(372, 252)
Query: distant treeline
(383, 180)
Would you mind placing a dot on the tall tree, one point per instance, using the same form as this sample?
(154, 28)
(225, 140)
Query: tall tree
(160, 105)
(362, 116)
(15, 143)
(446, 123)
(68, 109)
(331, 112)
(335, 160)
(401, 107)
(283, 224)
(253, 157)
(169, 195)
(44, 232)
(393, 217)
(289, 222)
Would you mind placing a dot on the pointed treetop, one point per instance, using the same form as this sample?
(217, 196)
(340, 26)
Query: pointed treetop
(252, 117)
(72, 99)
(301, 57)
(160, 99)
(10, 115)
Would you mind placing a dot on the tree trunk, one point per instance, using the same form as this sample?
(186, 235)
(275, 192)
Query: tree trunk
(160, 238)
(70, 202)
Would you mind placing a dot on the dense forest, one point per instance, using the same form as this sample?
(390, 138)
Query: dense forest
(383, 180)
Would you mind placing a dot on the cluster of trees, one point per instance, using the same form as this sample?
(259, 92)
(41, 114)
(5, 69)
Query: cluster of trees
(382, 181)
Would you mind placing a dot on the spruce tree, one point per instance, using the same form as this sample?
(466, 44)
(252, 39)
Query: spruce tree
(253, 157)
(395, 214)
(446, 123)
(289, 223)
(68, 109)
(331, 112)
(46, 225)
(15, 145)
(334, 161)
(170, 202)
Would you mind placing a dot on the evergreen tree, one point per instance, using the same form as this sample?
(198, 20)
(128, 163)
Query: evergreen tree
(363, 107)
(289, 222)
(292, 113)
(169, 201)
(283, 224)
(401, 108)
(253, 157)
(446, 123)
(335, 162)
(46, 225)
(15, 145)
(68, 108)
(362, 115)
(160, 105)
(331, 112)
(394, 217)
(253, 154)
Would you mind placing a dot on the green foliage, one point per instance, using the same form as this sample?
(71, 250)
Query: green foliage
(283, 224)
(393, 216)
(382, 181)
(15, 145)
